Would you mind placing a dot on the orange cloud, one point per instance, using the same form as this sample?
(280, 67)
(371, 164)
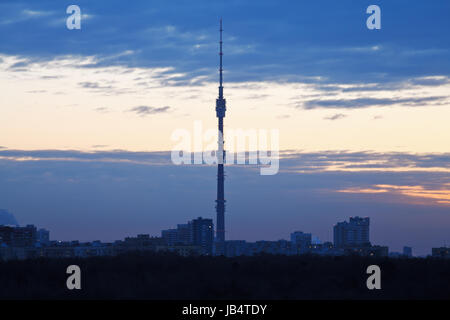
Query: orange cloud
(435, 196)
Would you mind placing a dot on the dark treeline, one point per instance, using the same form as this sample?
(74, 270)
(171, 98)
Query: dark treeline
(168, 276)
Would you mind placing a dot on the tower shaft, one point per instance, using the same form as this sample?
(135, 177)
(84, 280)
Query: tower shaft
(220, 202)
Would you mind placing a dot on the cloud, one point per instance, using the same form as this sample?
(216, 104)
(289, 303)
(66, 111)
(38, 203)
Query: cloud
(417, 192)
(291, 161)
(20, 64)
(93, 85)
(337, 116)
(430, 81)
(369, 102)
(50, 77)
(17, 15)
(161, 37)
(364, 161)
(145, 110)
(109, 156)
(106, 89)
(102, 109)
(36, 13)
(257, 96)
(410, 83)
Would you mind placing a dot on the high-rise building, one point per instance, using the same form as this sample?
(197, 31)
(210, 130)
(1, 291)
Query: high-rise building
(300, 242)
(354, 233)
(203, 234)
(220, 201)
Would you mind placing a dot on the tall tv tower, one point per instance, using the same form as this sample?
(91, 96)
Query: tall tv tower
(220, 202)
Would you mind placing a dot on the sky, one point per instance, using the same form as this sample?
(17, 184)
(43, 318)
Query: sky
(87, 116)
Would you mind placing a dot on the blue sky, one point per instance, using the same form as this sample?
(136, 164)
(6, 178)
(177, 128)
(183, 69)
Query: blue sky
(264, 39)
(86, 116)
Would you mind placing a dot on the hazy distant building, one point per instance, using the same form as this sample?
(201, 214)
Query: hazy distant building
(184, 234)
(170, 236)
(235, 248)
(93, 249)
(143, 242)
(272, 247)
(6, 235)
(7, 219)
(395, 254)
(203, 234)
(43, 236)
(373, 251)
(300, 242)
(18, 236)
(407, 251)
(442, 252)
(354, 233)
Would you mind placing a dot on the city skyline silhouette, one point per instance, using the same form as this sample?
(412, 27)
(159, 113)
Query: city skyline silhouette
(87, 118)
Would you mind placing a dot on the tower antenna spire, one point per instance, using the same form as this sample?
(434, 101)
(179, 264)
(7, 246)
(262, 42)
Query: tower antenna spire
(221, 66)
